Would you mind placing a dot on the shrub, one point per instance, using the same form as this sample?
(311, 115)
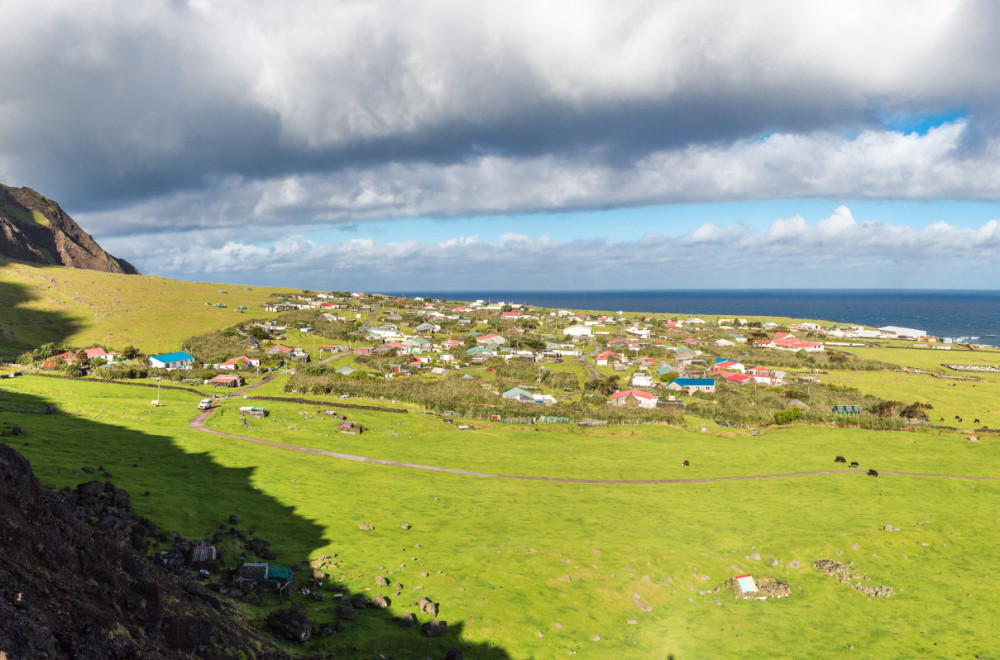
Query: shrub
(786, 416)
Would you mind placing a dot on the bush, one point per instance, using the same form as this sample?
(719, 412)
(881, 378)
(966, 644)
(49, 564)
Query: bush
(786, 416)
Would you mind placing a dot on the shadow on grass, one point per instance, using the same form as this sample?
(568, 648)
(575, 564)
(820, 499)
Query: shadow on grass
(23, 328)
(195, 495)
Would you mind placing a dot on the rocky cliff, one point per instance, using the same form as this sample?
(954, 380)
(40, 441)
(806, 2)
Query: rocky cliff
(34, 228)
(75, 581)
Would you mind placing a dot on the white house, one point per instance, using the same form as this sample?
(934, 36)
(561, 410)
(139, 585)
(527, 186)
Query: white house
(578, 331)
(634, 399)
(642, 380)
(171, 361)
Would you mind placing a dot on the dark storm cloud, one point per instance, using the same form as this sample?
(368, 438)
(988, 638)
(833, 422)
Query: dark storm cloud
(222, 113)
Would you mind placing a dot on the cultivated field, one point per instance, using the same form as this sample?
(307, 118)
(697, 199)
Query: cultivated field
(541, 569)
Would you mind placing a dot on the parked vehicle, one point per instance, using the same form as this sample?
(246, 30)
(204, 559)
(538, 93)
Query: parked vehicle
(205, 404)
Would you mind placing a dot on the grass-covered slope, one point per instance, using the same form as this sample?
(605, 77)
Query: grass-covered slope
(75, 307)
(539, 569)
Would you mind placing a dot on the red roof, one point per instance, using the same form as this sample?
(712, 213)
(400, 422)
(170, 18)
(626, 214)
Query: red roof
(639, 394)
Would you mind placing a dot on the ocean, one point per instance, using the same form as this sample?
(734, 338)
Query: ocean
(966, 315)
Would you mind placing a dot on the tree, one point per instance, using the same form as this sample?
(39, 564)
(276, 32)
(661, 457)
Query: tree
(130, 352)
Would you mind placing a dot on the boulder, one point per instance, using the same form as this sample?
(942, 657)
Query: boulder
(365, 527)
(754, 555)
(346, 612)
(407, 620)
(359, 602)
(291, 624)
(404, 525)
(428, 606)
(435, 628)
(381, 581)
(380, 602)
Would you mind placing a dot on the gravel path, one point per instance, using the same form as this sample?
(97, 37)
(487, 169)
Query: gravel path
(199, 423)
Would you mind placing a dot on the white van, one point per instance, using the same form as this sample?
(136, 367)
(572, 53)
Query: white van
(205, 404)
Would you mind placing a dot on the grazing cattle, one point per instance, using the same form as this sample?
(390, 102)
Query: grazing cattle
(855, 464)
(872, 473)
(942, 419)
(958, 418)
(840, 459)
(977, 421)
(686, 464)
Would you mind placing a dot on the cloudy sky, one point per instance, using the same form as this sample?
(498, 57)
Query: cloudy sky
(456, 145)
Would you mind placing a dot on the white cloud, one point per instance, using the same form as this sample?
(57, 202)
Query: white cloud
(837, 251)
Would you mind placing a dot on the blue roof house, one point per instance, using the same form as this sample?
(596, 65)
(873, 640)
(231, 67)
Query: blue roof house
(171, 361)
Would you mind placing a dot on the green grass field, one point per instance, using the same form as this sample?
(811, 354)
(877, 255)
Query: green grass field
(537, 569)
(84, 307)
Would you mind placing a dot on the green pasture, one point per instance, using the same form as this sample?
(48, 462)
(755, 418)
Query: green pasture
(81, 308)
(966, 399)
(536, 569)
(617, 452)
(929, 359)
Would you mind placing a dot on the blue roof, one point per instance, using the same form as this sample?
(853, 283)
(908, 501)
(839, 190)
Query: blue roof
(173, 357)
(718, 360)
(694, 381)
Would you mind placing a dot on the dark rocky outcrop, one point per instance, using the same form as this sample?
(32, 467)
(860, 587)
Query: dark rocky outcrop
(75, 582)
(34, 228)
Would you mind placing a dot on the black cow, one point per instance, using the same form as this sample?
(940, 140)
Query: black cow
(840, 459)
(686, 463)
(872, 473)
(977, 421)
(855, 464)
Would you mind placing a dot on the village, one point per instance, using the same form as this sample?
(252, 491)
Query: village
(512, 362)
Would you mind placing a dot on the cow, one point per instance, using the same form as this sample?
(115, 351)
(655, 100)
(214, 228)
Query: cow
(855, 464)
(977, 421)
(840, 459)
(687, 463)
(872, 473)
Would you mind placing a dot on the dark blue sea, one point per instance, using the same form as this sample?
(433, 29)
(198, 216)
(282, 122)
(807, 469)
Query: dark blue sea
(969, 315)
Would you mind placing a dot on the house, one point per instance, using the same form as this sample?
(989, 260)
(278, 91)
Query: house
(517, 394)
(724, 343)
(633, 399)
(577, 331)
(893, 331)
(226, 380)
(171, 361)
(692, 385)
(722, 364)
(784, 341)
(346, 371)
(641, 333)
(363, 350)
(642, 380)
(490, 340)
(739, 379)
(609, 356)
(241, 362)
(438, 371)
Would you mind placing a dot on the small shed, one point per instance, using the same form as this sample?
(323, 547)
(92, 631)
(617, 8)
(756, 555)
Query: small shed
(254, 411)
(850, 410)
(746, 583)
(203, 554)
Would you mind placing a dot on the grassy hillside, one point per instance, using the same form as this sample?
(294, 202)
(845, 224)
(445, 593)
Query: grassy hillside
(83, 307)
(536, 569)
